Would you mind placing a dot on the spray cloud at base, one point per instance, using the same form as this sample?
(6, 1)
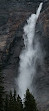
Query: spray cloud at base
(29, 54)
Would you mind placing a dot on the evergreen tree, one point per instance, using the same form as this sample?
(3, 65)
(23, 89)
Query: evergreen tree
(10, 102)
(1, 90)
(19, 104)
(29, 103)
(6, 101)
(14, 101)
(14, 96)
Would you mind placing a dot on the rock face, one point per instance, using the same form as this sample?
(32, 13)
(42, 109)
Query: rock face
(41, 79)
(11, 41)
(13, 17)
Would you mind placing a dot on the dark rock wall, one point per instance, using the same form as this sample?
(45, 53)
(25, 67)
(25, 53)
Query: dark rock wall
(11, 41)
(12, 19)
(41, 79)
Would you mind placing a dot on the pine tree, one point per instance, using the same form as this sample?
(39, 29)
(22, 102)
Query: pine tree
(1, 90)
(6, 103)
(19, 104)
(10, 101)
(14, 96)
(29, 103)
(14, 101)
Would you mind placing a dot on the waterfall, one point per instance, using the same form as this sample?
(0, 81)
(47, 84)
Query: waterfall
(28, 56)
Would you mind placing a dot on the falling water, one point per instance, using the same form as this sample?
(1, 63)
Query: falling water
(28, 56)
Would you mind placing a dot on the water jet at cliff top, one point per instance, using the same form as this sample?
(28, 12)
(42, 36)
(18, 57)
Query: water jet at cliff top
(28, 56)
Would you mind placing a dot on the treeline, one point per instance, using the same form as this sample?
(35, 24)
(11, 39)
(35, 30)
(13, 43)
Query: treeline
(12, 102)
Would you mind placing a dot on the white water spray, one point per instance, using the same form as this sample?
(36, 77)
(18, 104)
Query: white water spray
(28, 56)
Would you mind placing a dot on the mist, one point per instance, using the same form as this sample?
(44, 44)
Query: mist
(28, 56)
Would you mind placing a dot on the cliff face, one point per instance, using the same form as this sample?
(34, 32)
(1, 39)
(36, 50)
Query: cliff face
(13, 17)
(11, 41)
(41, 79)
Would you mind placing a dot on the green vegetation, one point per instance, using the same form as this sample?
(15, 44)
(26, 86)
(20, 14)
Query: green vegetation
(1, 90)
(30, 104)
(12, 102)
